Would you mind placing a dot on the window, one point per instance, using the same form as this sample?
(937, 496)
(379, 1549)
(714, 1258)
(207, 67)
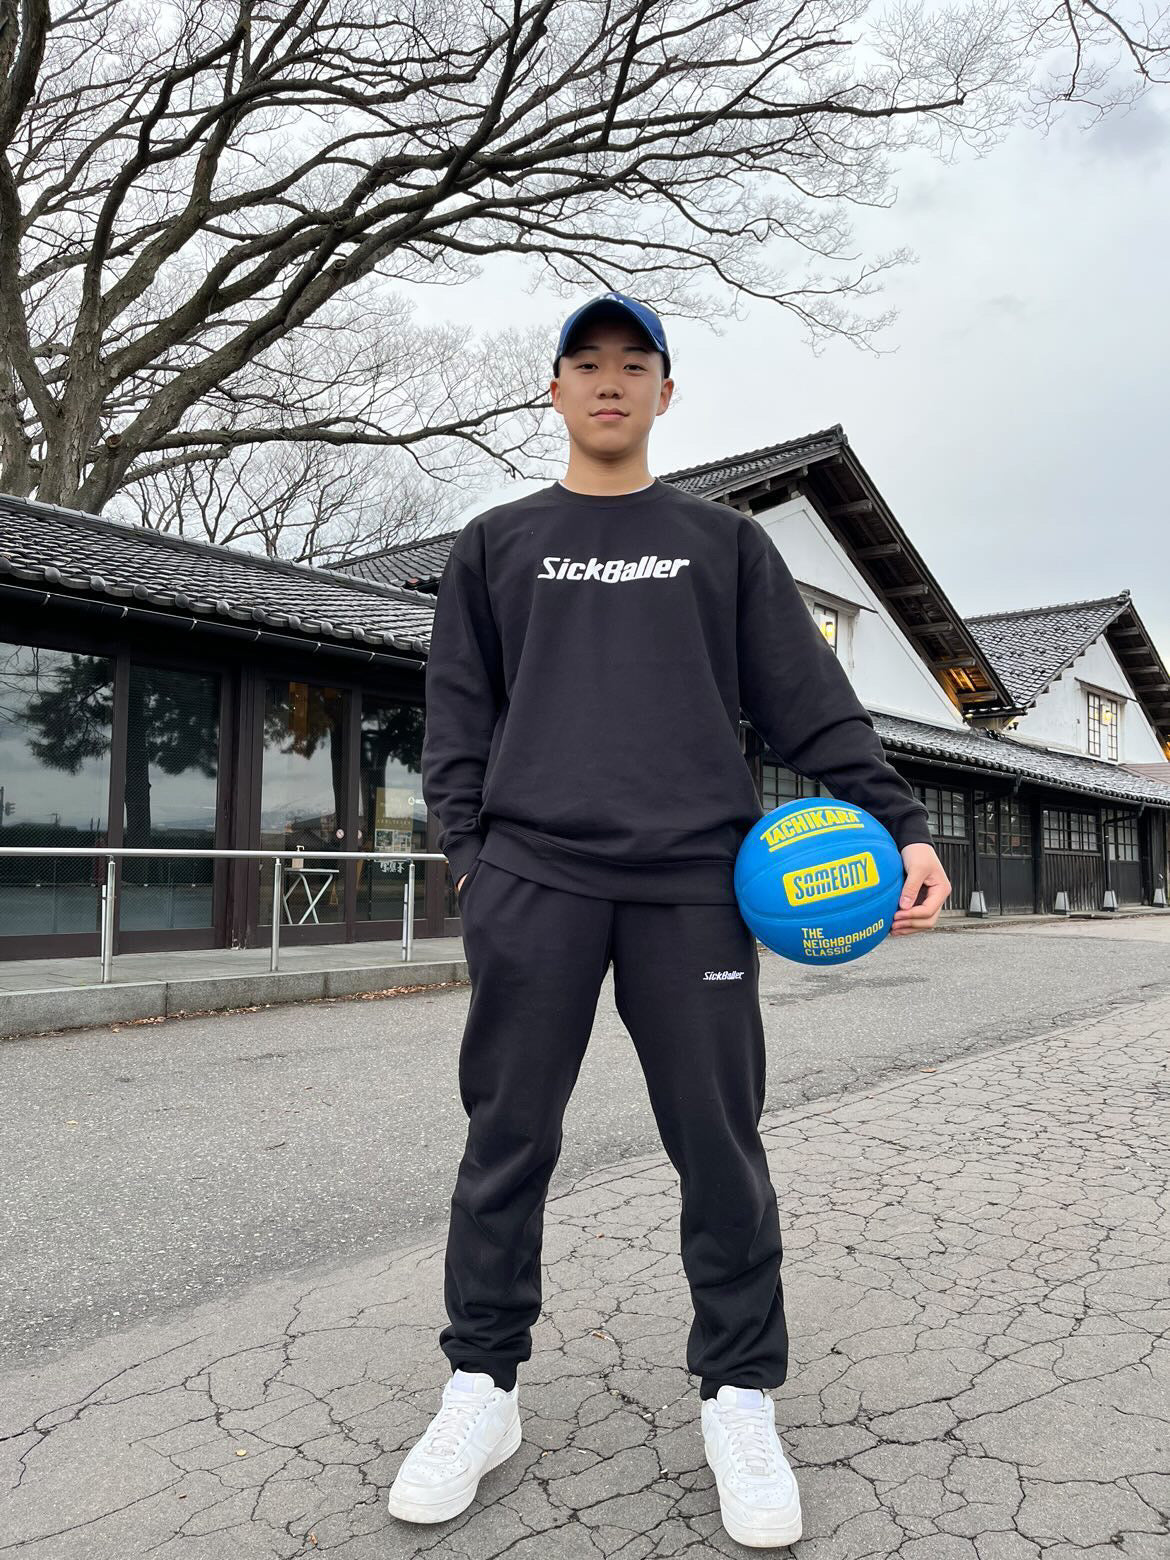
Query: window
(946, 811)
(831, 621)
(301, 799)
(1003, 827)
(1121, 836)
(782, 785)
(1067, 830)
(1104, 719)
(56, 719)
(391, 812)
(1082, 831)
(826, 619)
(172, 773)
(986, 827)
(1016, 839)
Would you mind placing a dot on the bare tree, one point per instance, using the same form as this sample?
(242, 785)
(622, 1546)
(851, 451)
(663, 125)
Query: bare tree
(213, 213)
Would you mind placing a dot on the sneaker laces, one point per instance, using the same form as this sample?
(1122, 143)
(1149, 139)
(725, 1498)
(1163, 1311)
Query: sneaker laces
(452, 1425)
(748, 1436)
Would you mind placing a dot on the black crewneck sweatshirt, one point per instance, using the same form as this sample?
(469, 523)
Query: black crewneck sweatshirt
(590, 658)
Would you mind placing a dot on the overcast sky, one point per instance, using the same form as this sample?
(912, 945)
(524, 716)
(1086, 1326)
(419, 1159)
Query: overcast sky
(1018, 431)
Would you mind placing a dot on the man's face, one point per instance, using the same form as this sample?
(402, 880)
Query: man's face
(610, 388)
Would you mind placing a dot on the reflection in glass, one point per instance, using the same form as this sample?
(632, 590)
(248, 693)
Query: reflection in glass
(172, 753)
(301, 799)
(391, 812)
(56, 711)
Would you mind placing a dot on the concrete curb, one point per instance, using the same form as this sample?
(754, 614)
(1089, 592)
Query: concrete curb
(57, 1008)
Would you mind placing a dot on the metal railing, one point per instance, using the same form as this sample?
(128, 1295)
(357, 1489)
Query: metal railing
(277, 857)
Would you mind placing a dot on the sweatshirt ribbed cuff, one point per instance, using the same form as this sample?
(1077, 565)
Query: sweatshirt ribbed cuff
(912, 832)
(462, 854)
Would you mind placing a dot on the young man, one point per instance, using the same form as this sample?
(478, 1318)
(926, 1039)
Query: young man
(593, 645)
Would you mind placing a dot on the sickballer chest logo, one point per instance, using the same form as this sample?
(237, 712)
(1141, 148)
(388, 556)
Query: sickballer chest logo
(611, 571)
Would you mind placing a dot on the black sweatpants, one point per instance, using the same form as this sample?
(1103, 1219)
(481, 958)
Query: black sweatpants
(686, 981)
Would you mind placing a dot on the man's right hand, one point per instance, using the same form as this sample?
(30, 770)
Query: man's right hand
(461, 882)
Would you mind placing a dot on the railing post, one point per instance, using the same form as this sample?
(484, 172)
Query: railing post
(102, 892)
(108, 922)
(277, 903)
(408, 915)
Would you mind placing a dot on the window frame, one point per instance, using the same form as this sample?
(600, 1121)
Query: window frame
(1096, 703)
(945, 805)
(1059, 831)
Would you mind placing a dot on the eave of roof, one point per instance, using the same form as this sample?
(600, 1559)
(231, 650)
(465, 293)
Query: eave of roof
(416, 565)
(991, 751)
(44, 546)
(824, 466)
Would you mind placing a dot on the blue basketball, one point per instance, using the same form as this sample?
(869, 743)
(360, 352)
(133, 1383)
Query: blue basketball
(818, 881)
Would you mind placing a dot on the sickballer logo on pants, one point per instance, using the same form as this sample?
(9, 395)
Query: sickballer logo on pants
(723, 975)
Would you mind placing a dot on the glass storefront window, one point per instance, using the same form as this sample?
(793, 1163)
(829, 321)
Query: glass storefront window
(391, 812)
(56, 714)
(302, 799)
(172, 767)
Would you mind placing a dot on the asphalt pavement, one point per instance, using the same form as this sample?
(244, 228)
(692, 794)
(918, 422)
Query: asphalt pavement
(149, 1167)
(968, 1140)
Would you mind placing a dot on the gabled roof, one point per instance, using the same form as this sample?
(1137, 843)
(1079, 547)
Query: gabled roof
(716, 478)
(81, 555)
(1007, 755)
(823, 466)
(1032, 646)
(416, 565)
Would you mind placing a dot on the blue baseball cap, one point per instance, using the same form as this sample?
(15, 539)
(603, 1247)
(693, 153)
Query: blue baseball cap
(615, 305)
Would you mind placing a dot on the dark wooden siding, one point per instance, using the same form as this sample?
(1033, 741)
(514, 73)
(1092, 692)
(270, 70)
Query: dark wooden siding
(955, 856)
(1080, 873)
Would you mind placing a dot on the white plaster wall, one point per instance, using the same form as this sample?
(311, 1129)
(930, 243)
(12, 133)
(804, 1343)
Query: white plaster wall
(885, 669)
(1060, 717)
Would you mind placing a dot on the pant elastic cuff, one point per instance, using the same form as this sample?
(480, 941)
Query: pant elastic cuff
(709, 1387)
(503, 1375)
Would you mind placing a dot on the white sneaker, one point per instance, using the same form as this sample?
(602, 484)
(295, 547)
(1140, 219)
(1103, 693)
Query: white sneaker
(758, 1498)
(477, 1427)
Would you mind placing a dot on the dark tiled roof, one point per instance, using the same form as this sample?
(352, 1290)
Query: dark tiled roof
(1046, 766)
(1030, 647)
(416, 565)
(720, 475)
(41, 544)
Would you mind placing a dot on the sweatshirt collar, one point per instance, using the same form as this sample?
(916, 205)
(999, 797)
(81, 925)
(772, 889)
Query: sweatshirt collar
(651, 493)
